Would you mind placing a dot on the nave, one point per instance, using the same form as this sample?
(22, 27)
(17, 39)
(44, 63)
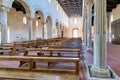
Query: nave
(56, 36)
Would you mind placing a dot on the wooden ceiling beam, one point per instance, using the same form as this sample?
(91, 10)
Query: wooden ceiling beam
(74, 7)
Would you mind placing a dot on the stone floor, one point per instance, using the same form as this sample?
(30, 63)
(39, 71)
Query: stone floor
(21, 75)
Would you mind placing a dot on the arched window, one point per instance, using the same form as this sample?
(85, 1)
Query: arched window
(75, 32)
(75, 20)
(37, 23)
(24, 20)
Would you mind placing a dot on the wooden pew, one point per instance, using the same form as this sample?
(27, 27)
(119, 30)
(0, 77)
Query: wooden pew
(50, 41)
(52, 50)
(8, 47)
(33, 60)
(21, 45)
(31, 43)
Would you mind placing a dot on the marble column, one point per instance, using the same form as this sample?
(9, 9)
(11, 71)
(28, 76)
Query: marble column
(43, 28)
(3, 22)
(89, 25)
(85, 30)
(99, 69)
(84, 21)
(59, 31)
(30, 24)
(100, 34)
(83, 13)
(45, 31)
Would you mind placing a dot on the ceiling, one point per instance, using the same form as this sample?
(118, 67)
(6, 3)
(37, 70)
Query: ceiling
(71, 7)
(112, 4)
(74, 7)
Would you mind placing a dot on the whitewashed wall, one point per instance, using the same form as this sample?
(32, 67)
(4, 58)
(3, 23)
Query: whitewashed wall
(17, 30)
(48, 9)
(72, 26)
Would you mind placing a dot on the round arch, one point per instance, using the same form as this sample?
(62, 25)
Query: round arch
(17, 21)
(38, 23)
(48, 28)
(48, 15)
(57, 29)
(37, 8)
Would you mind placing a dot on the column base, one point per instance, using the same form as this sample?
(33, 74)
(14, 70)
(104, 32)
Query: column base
(101, 73)
(94, 73)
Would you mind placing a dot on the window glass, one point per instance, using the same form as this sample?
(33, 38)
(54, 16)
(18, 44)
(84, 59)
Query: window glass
(24, 20)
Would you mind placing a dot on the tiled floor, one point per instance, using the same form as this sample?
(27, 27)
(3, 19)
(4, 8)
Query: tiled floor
(113, 57)
(113, 60)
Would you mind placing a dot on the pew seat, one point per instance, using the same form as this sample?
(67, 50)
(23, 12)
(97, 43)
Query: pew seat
(33, 60)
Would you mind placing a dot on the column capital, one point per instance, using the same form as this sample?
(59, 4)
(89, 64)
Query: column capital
(4, 8)
(90, 2)
(30, 18)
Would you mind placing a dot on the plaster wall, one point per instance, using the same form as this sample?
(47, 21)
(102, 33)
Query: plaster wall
(18, 31)
(16, 26)
(72, 26)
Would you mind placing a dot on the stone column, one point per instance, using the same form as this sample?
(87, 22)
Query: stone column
(3, 18)
(100, 34)
(30, 24)
(83, 19)
(99, 69)
(59, 30)
(89, 25)
(85, 30)
(43, 28)
(45, 31)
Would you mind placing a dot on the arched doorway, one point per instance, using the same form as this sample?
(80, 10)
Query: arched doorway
(48, 28)
(38, 25)
(75, 32)
(18, 21)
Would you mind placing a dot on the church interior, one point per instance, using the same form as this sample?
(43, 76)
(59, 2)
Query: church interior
(59, 39)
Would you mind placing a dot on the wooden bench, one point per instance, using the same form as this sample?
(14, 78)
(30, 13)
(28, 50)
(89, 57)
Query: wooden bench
(33, 60)
(9, 48)
(20, 45)
(52, 50)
